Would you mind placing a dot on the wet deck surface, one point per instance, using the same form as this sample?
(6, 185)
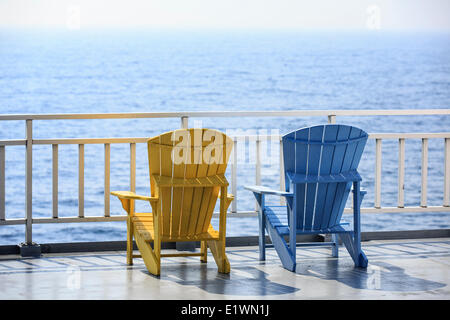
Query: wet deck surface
(401, 269)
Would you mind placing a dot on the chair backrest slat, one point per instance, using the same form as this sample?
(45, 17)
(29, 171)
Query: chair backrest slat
(321, 151)
(166, 170)
(336, 167)
(297, 163)
(354, 153)
(320, 219)
(211, 193)
(313, 165)
(191, 172)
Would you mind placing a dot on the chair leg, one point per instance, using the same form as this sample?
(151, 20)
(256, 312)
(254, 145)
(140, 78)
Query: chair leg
(217, 248)
(284, 251)
(335, 248)
(287, 257)
(262, 239)
(129, 241)
(204, 251)
(262, 227)
(358, 256)
(362, 260)
(152, 261)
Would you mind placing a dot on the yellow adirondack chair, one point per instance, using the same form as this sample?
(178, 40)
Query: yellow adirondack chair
(187, 176)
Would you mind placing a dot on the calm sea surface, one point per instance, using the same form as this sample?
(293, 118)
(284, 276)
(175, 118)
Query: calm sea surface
(150, 71)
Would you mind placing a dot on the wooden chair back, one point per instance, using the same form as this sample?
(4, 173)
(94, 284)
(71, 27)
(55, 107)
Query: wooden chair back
(187, 169)
(320, 161)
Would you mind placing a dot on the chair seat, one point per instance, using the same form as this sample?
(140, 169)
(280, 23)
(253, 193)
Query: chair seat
(277, 217)
(143, 224)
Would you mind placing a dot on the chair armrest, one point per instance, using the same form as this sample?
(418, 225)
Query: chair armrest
(126, 197)
(132, 196)
(230, 198)
(361, 191)
(265, 190)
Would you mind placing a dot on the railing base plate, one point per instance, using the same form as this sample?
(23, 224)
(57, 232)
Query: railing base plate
(185, 246)
(30, 250)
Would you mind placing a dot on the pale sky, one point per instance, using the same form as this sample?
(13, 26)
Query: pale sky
(293, 14)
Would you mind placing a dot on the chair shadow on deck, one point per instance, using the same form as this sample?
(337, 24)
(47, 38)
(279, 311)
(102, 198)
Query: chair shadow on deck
(378, 275)
(242, 281)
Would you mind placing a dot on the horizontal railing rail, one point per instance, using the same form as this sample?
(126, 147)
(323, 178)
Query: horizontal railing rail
(331, 115)
(227, 114)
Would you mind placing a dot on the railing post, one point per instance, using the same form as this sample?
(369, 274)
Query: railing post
(234, 177)
(81, 180)
(2, 183)
(331, 118)
(258, 166)
(55, 180)
(447, 173)
(29, 248)
(133, 167)
(107, 179)
(378, 174)
(423, 196)
(184, 122)
(401, 173)
(29, 183)
(258, 161)
(282, 176)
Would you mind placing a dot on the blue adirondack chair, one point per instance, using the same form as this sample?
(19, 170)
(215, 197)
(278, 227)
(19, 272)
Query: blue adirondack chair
(320, 166)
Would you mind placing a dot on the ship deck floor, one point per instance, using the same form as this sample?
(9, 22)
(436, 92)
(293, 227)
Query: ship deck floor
(398, 269)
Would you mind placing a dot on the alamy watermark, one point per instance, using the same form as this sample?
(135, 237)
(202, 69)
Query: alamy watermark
(373, 21)
(374, 277)
(73, 281)
(207, 146)
(73, 20)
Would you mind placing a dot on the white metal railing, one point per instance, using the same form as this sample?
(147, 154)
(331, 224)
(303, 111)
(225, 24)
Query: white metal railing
(331, 115)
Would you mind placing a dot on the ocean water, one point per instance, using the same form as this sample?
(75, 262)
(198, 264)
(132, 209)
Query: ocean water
(94, 71)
